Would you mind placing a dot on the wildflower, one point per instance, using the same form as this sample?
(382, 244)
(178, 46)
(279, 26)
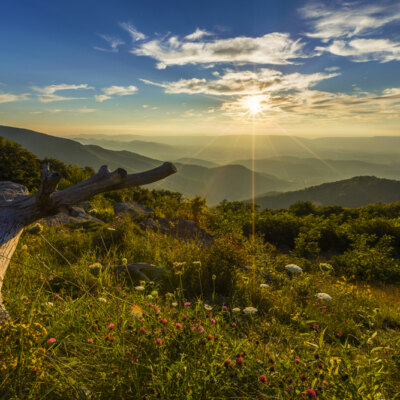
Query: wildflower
(119, 288)
(227, 362)
(124, 261)
(224, 308)
(102, 299)
(207, 307)
(90, 340)
(139, 288)
(184, 318)
(311, 394)
(188, 303)
(315, 326)
(159, 341)
(212, 320)
(201, 329)
(263, 379)
(297, 360)
(250, 310)
(324, 296)
(110, 327)
(51, 340)
(214, 277)
(339, 334)
(24, 298)
(149, 296)
(264, 286)
(294, 269)
(236, 309)
(164, 321)
(142, 330)
(239, 361)
(174, 304)
(48, 304)
(234, 324)
(210, 337)
(178, 325)
(325, 382)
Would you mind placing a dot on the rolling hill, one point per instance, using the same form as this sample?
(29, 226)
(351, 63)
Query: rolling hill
(355, 192)
(232, 182)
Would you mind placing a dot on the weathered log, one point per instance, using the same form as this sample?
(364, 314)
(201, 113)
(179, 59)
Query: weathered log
(18, 209)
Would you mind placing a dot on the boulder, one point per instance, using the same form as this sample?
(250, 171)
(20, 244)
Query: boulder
(180, 228)
(10, 190)
(75, 216)
(134, 209)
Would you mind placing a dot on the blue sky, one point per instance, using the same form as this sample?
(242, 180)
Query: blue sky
(295, 67)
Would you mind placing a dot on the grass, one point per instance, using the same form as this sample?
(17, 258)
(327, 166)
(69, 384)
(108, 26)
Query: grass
(77, 333)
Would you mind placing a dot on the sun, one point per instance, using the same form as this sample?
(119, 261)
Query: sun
(253, 104)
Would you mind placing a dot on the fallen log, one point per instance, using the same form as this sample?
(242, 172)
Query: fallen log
(18, 209)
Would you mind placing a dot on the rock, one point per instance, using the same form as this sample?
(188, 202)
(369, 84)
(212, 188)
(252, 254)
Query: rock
(85, 205)
(135, 209)
(10, 190)
(76, 216)
(35, 229)
(182, 229)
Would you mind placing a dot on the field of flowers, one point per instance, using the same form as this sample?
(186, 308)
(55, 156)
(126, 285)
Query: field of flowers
(209, 329)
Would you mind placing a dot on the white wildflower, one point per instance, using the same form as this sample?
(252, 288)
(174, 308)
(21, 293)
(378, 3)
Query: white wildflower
(174, 304)
(250, 310)
(236, 309)
(48, 304)
(264, 286)
(149, 296)
(294, 269)
(102, 299)
(207, 307)
(139, 288)
(324, 296)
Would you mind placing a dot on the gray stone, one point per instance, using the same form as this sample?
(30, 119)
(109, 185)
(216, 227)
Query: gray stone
(134, 209)
(10, 190)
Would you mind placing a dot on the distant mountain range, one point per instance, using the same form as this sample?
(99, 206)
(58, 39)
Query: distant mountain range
(355, 192)
(226, 149)
(232, 182)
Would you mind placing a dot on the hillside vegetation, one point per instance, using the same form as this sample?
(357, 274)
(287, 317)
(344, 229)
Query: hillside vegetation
(226, 320)
(355, 192)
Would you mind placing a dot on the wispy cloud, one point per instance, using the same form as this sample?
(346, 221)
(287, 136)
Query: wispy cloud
(113, 42)
(10, 97)
(320, 104)
(198, 34)
(111, 91)
(347, 20)
(361, 50)
(133, 32)
(273, 48)
(234, 83)
(48, 92)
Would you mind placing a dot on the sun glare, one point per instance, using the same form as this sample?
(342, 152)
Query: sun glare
(253, 104)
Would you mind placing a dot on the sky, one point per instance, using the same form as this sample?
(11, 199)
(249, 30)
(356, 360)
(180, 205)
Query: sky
(306, 68)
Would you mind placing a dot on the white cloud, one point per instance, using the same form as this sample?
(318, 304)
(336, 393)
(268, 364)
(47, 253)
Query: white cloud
(113, 42)
(273, 48)
(320, 104)
(332, 69)
(48, 92)
(361, 50)
(133, 32)
(349, 19)
(120, 90)
(198, 34)
(101, 97)
(234, 83)
(10, 97)
(111, 91)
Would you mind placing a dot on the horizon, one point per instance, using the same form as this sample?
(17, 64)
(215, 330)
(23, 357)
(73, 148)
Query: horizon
(295, 68)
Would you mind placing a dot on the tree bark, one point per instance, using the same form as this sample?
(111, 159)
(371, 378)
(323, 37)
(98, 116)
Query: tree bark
(18, 212)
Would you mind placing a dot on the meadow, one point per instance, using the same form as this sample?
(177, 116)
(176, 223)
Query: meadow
(225, 321)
